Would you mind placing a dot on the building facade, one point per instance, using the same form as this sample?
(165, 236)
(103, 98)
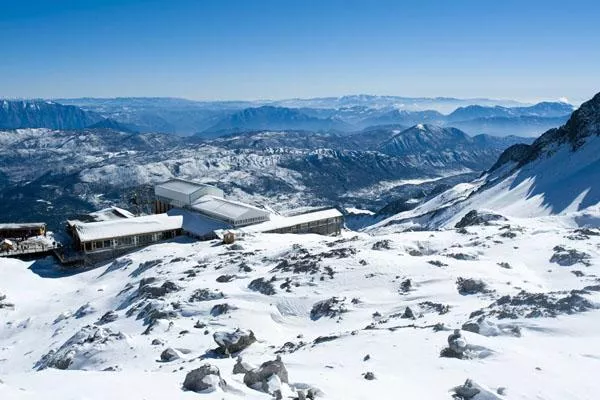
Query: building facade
(124, 234)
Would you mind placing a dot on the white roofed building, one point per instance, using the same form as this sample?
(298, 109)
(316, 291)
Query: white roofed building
(206, 200)
(181, 193)
(232, 212)
(123, 234)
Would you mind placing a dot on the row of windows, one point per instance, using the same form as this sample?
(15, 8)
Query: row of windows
(249, 221)
(128, 241)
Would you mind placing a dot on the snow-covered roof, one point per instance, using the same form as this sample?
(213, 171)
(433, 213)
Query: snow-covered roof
(182, 186)
(279, 222)
(198, 224)
(127, 227)
(111, 213)
(226, 209)
(28, 225)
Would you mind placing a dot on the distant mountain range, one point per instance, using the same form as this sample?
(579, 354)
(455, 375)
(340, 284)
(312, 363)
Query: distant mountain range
(274, 118)
(344, 115)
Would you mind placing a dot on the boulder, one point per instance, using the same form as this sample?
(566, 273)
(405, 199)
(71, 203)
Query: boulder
(467, 286)
(207, 378)
(169, 354)
(234, 342)
(268, 377)
(457, 346)
(242, 367)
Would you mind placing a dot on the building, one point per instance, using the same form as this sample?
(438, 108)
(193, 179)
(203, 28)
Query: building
(181, 193)
(323, 222)
(231, 212)
(207, 214)
(120, 235)
(208, 201)
(22, 231)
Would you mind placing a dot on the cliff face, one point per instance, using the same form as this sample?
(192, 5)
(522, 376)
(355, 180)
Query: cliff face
(42, 114)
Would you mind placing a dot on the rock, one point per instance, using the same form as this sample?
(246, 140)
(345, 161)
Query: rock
(536, 305)
(157, 342)
(567, 257)
(369, 376)
(84, 310)
(207, 378)
(205, 295)
(154, 292)
(408, 314)
(367, 357)
(220, 309)
(474, 217)
(261, 378)
(382, 245)
(462, 256)
(169, 354)
(234, 342)
(262, 286)
(331, 308)
(457, 346)
(226, 278)
(472, 391)
(108, 317)
(405, 286)
(242, 367)
(468, 286)
(84, 344)
(485, 327)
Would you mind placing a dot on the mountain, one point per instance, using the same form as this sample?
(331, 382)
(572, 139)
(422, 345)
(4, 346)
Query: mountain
(558, 174)
(517, 125)
(446, 147)
(44, 114)
(108, 123)
(543, 109)
(275, 118)
(404, 117)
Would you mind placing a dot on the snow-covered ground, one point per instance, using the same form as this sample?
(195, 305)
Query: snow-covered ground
(543, 346)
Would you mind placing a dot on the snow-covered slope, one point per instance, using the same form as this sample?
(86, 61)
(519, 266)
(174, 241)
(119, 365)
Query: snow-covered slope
(558, 174)
(339, 311)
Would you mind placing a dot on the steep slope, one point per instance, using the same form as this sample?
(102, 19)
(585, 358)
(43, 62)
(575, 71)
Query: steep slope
(43, 114)
(558, 174)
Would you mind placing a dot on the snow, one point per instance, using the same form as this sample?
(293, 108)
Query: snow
(111, 213)
(26, 225)
(542, 363)
(127, 227)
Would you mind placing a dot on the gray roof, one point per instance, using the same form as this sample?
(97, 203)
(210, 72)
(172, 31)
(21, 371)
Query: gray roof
(182, 186)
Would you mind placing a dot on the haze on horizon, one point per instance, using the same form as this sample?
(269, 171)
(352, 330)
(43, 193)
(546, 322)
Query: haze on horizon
(241, 50)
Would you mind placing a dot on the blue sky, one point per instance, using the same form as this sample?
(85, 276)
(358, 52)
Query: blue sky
(234, 49)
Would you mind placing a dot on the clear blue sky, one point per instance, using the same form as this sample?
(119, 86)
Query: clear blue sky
(235, 49)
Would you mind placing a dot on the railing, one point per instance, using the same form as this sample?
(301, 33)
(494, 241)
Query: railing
(29, 248)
